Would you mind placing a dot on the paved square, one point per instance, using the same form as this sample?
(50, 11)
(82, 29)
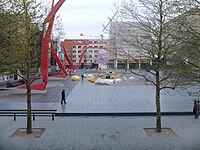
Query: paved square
(102, 132)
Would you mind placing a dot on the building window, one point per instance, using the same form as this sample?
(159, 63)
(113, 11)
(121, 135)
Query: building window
(74, 51)
(96, 46)
(79, 56)
(74, 56)
(90, 51)
(74, 61)
(95, 56)
(90, 56)
(95, 51)
(79, 51)
(79, 47)
(101, 46)
(74, 46)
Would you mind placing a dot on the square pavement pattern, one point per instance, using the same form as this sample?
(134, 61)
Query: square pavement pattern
(89, 98)
(131, 96)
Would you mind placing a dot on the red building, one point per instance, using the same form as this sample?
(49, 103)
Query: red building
(75, 47)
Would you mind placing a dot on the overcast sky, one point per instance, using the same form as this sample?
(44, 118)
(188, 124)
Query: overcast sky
(86, 16)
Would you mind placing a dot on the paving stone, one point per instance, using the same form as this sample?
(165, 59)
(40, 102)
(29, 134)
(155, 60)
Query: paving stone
(86, 97)
(102, 133)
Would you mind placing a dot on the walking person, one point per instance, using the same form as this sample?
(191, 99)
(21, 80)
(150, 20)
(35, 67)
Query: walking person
(63, 97)
(82, 76)
(195, 110)
(198, 109)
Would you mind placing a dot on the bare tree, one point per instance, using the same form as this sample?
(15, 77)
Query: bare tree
(149, 26)
(58, 29)
(188, 29)
(18, 52)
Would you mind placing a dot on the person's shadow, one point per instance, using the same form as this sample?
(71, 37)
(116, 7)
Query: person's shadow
(63, 108)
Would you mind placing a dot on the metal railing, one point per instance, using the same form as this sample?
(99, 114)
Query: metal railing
(34, 113)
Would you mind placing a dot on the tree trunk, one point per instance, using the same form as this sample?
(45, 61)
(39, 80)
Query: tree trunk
(158, 109)
(28, 66)
(29, 120)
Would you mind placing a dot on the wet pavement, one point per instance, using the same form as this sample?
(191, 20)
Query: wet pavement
(130, 96)
(100, 132)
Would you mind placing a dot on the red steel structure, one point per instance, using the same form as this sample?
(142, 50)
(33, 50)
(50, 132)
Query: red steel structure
(64, 45)
(68, 60)
(53, 51)
(83, 53)
(81, 57)
(46, 40)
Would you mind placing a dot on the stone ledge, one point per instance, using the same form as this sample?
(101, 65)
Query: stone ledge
(165, 132)
(21, 132)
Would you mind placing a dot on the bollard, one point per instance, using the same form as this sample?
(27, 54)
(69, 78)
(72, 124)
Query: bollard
(33, 116)
(52, 116)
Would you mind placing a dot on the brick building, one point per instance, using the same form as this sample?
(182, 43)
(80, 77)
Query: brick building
(75, 47)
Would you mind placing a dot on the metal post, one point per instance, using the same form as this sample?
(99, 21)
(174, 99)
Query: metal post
(115, 53)
(128, 60)
(14, 117)
(33, 116)
(140, 61)
(53, 116)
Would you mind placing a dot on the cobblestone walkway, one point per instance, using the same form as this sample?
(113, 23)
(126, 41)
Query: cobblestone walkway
(101, 133)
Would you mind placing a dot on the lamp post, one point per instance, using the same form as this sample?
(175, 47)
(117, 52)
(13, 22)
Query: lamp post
(114, 43)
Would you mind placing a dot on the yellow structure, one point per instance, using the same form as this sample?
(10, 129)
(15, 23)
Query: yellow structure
(91, 79)
(100, 74)
(75, 78)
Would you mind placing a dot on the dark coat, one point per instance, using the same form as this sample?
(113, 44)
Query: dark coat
(63, 94)
(195, 108)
